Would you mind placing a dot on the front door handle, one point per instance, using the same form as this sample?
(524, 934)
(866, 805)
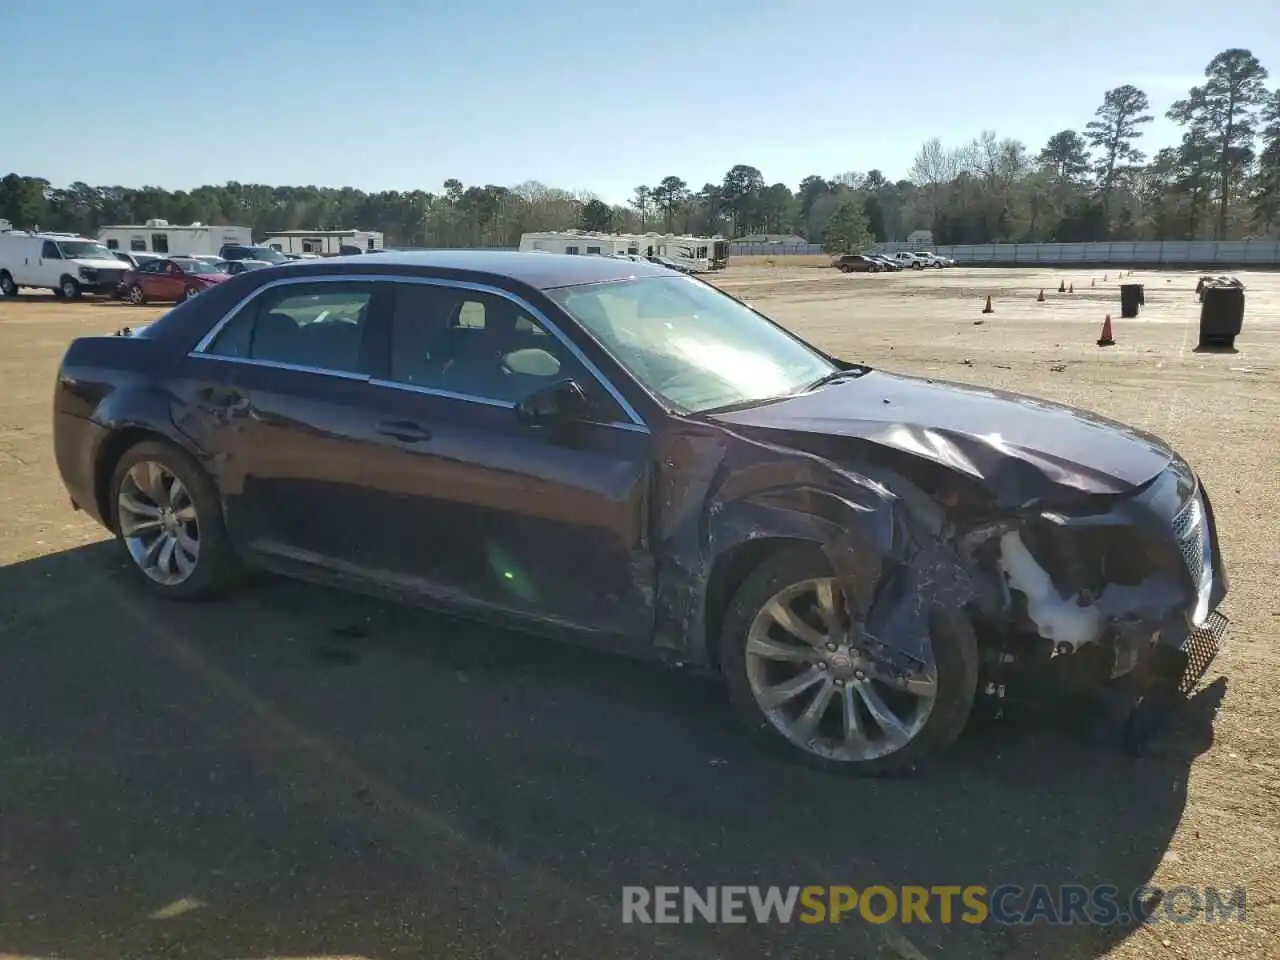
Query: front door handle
(407, 431)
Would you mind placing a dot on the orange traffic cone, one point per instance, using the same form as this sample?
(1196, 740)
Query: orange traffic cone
(1062, 286)
(987, 308)
(1071, 289)
(1105, 339)
(1040, 299)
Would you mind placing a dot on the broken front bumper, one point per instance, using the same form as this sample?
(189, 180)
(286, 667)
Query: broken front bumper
(1121, 597)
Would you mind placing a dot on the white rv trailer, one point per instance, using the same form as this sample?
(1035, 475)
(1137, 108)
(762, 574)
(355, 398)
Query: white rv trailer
(696, 253)
(166, 239)
(325, 243)
(580, 242)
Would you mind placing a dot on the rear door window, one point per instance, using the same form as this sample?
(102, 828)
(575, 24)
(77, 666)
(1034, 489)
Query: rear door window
(316, 326)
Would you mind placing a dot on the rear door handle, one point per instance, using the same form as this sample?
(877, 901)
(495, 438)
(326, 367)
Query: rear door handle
(407, 431)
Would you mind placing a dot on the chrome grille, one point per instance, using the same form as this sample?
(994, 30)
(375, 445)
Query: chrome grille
(1189, 530)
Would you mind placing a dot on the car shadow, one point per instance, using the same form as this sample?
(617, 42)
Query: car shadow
(295, 771)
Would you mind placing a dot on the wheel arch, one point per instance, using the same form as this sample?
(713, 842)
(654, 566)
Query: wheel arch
(118, 443)
(730, 569)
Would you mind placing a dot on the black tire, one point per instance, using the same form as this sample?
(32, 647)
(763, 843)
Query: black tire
(217, 567)
(955, 650)
(69, 288)
(190, 293)
(135, 295)
(8, 288)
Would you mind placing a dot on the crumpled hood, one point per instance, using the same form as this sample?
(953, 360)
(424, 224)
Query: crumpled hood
(1021, 448)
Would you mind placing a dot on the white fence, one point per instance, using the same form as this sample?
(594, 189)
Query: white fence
(1171, 252)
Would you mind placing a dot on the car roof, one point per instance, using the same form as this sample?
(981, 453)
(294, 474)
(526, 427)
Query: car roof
(543, 271)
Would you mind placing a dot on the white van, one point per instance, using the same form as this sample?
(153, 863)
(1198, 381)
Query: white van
(65, 263)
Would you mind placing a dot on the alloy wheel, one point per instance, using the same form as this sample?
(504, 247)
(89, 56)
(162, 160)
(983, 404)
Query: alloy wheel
(812, 673)
(159, 523)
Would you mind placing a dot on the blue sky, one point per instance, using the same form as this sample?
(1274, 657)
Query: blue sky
(596, 96)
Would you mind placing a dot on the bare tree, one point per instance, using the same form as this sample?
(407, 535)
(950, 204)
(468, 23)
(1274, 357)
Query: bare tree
(933, 169)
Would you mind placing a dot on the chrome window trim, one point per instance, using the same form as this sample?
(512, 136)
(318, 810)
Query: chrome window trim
(277, 365)
(636, 423)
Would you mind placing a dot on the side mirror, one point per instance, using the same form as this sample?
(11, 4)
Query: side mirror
(559, 403)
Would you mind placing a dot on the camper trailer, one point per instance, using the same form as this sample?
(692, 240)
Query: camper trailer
(166, 239)
(324, 243)
(694, 253)
(579, 242)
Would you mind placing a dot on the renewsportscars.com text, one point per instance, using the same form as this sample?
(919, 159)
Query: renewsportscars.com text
(940, 904)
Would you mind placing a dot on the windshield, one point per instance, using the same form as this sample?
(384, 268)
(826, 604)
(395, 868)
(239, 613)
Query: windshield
(691, 345)
(84, 250)
(199, 266)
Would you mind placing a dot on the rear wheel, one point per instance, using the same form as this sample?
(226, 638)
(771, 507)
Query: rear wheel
(190, 292)
(809, 679)
(7, 286)
(168, 522)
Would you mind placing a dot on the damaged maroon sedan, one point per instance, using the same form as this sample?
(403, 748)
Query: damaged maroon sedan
(600, 450)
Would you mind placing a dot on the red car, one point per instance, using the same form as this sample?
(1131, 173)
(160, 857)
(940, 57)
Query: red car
(173, 278)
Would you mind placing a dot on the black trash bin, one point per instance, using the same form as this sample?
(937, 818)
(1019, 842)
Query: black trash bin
(1131, 298)
(1221, 316)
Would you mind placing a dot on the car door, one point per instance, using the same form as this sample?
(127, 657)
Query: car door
(149, 279)
(167, 282)
(52, 266)
(551, 526)
(287, 380)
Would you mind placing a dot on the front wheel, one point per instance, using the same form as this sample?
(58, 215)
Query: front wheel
(69, 288)
(808, 678)
(135, 295)
(190, 293)
(165, 511)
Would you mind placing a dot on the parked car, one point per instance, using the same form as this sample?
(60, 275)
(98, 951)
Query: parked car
(886, 262)
(65, 263)
(243, 251)
(133, 259)
(136, 258)
(931, 259)
(857, 263)
(558, 443)
(171, 278)
(912, 261)
(234, 267)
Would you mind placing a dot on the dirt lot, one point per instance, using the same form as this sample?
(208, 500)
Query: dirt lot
(294, 772)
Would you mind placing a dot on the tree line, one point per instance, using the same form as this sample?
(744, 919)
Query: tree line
(1221, 180)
